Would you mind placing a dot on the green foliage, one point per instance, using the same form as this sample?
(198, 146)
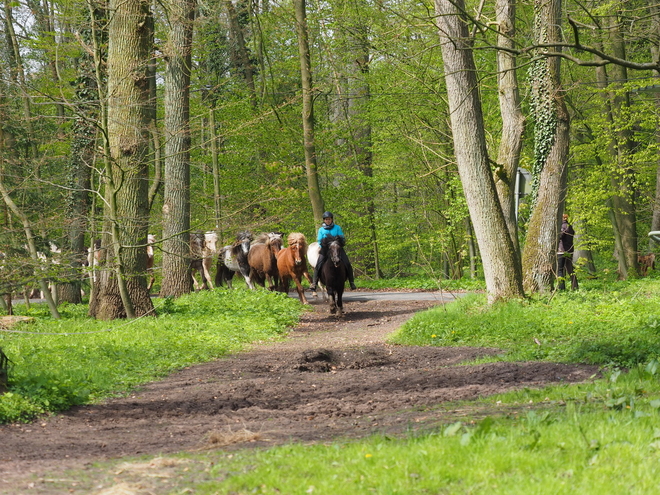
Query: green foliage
(608, 326)
(58, 364)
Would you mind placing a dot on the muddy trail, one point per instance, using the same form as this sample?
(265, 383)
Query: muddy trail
(332, 378)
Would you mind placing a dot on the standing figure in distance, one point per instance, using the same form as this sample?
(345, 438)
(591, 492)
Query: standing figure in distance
(329, 227)
(565, 255)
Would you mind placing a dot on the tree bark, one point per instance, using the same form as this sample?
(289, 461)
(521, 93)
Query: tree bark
(513, 120)
(309, 144)
(176, 207)
(122, 292)
(551, 142)
(501, 268)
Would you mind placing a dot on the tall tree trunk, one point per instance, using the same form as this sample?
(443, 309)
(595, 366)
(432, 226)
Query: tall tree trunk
(123, 292)
(551, 141)
(501, 267)
(309, 144)
(513, 121)
(623, 178)
(176, 209)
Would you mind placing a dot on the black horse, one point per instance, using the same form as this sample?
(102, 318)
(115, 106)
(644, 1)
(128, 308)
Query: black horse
(333, 273)
(233, 259)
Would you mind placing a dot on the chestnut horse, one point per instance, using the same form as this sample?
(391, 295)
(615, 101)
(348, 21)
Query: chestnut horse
(292, 264)
(333, 273)
(263, 260)
(234, 259)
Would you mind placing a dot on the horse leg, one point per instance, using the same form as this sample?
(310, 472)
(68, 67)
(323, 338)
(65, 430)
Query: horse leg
(340, 303)
(301, 291)
(331, 298)
(229, 278)
(206, 276)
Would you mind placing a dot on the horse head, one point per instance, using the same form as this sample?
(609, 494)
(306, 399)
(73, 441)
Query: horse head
(298, 247)
(274, 241)
(243, 241)
(333, 246)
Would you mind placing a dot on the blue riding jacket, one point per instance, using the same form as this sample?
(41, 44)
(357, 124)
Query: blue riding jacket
(327, 230)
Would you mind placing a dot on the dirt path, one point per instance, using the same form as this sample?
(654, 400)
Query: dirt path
(332, 378)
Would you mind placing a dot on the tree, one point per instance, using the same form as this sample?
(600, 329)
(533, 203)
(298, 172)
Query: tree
(122, 290)
(551, 140)
(176, 207)
(309, 144)
(513, 120)
(501, 270)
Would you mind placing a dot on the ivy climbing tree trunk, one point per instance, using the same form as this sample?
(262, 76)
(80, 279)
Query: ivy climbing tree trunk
(176, 207)
(309, 144)
(501, 268)
(551, 126)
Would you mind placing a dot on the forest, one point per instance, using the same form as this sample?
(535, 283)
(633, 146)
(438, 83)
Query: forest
(447, 138)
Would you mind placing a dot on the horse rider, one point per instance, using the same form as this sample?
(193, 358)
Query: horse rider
(330, 228)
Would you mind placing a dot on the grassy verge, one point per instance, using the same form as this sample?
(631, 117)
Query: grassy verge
(75, 360)
(618, 325)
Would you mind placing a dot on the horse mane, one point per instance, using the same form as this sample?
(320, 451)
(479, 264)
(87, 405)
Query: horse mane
(267, 238)
(326, 241)
(241, 236)
(299, 239)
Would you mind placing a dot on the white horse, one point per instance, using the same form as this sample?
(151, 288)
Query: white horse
(313, 253)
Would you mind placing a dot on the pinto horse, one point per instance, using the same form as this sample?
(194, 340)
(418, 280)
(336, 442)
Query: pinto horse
(333, 273)
(202, 249)
(263, 260)
(234, 259)
(292, 264)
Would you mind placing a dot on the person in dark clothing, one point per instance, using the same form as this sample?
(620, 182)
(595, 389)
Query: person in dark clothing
(328, 228)
(565, 255)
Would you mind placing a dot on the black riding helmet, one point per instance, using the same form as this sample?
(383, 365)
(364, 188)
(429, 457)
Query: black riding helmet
(327, 214)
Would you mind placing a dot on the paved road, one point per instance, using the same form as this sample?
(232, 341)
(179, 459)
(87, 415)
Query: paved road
(361, 296)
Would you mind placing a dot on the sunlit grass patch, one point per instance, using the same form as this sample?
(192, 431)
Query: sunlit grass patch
(590, 326)
(75, 360)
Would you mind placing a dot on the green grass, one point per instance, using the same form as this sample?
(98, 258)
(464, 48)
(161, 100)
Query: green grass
(618, 326)
(76, 360)
(422, 282)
